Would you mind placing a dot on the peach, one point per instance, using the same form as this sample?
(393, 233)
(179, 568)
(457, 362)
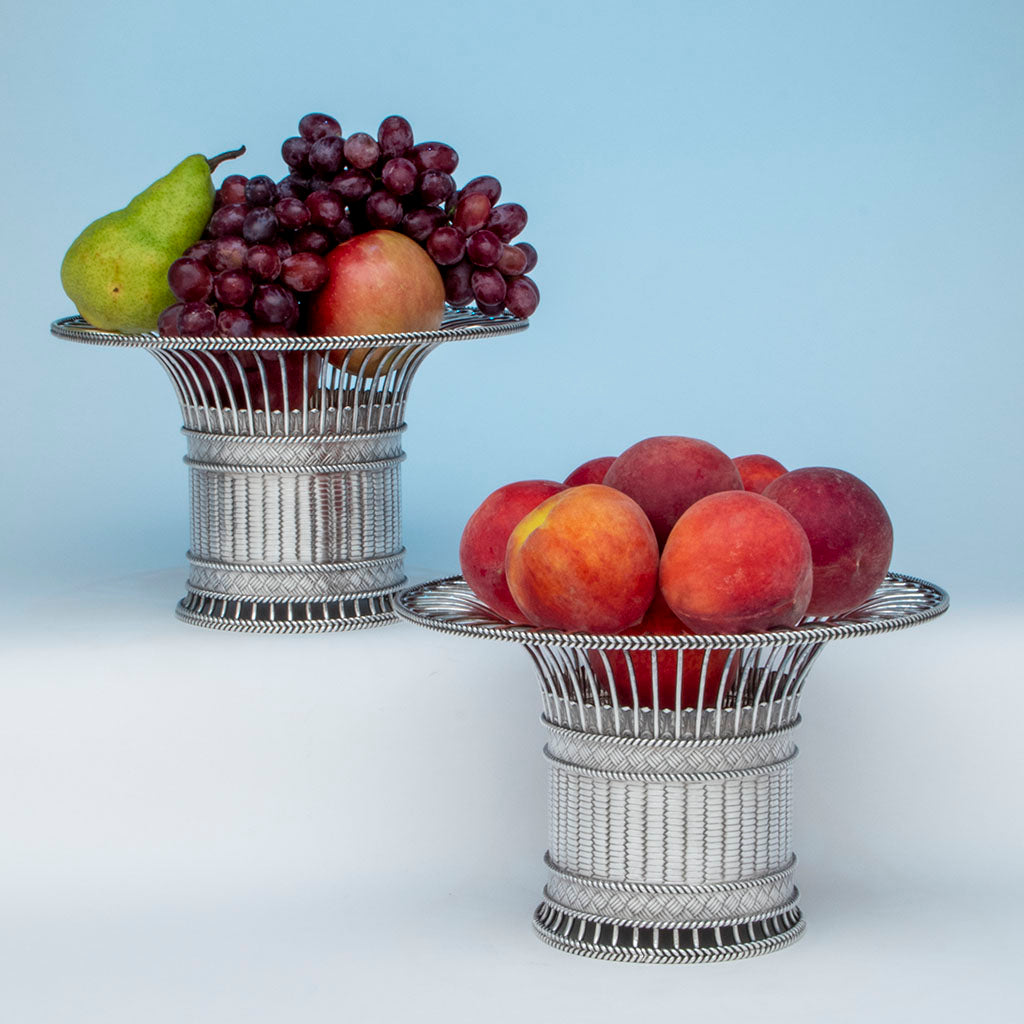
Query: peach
(849, 531)
(584, 560)
(758, 471)
(734, 564)
(666, 475)
(485, 538)
(591, 472)
(661, 621)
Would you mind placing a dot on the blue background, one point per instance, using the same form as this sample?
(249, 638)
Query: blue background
(787, 228)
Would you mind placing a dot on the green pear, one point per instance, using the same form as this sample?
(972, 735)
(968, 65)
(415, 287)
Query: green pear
(115, 271)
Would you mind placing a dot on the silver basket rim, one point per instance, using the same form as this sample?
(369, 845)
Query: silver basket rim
(449, 606)
(457, 325)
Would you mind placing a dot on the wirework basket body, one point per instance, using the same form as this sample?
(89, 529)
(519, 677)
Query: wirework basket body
(294, 451)
(670, 774)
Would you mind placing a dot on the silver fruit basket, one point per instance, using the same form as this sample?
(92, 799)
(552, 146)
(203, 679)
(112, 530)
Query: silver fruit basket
(294, 456)
(670, 767)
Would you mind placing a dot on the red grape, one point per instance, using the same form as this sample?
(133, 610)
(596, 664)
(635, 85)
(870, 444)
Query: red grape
(343, 230)
(325, 208)
(326, 155)
(199, 251)
(512, 261)
(472, 213)
(435, 187)
(274, 304)
(233, 288)
(291, 213)
(316, 126)
(260, 225)
(362, 151)
(522, 296)
(197, 319)
(435, 156)
(488, 285)
(304, 272)
(228, 220)
(458, 288)
(483, 248)
(260, 191)
(311, 240)
(399, 176)
(227, 254)
(507, 220)
(383, 210)
(490, 308)
(294, 186)
(419, 223)
(394, 136)
(263, 262)
(190, 280)
(531, 255)
(296, 152)
(353, 184)
(485, 185)
(234, 323)
(446, 245)
(232, 189)
(169, 321)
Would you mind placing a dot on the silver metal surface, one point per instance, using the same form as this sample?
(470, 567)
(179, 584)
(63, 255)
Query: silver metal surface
(670, 774)
(294, 455)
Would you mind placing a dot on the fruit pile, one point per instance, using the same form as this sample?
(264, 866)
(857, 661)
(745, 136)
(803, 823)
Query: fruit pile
(673, 536)
(364, 235)
(266, 251)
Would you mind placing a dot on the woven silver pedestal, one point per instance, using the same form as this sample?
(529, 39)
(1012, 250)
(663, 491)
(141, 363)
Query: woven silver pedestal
(294, 456)
(670, 766)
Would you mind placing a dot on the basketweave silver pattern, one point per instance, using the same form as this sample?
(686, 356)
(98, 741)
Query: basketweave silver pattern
(670, 774)
(666, 905)
(294, 452)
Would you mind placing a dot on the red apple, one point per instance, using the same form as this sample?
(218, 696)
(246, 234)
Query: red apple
(380, 282)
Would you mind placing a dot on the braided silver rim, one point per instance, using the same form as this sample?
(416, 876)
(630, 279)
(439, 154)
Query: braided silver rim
(457, 325)
(449, 606)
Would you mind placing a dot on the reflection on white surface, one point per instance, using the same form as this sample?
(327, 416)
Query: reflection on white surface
(209, 826)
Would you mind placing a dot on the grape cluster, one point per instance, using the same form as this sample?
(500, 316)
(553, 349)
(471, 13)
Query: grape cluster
(392, 182)
(263, 250)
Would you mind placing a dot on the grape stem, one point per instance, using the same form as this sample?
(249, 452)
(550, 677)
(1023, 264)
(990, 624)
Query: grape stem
(213, 161)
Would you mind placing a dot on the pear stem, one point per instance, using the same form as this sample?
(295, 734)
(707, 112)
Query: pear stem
(213, 161)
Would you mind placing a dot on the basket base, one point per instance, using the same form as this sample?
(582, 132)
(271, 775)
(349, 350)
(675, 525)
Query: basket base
(247, 616)
(610, 940)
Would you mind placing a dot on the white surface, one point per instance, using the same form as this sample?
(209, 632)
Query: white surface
(211, 827)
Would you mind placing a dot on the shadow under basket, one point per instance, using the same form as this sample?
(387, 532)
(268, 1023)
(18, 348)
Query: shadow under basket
(670, 769)
(294, 451)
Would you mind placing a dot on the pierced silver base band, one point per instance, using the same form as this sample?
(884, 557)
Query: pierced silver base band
(625, 941)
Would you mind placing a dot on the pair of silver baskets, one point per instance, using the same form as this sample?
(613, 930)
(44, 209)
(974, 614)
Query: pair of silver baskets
(670, 824)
